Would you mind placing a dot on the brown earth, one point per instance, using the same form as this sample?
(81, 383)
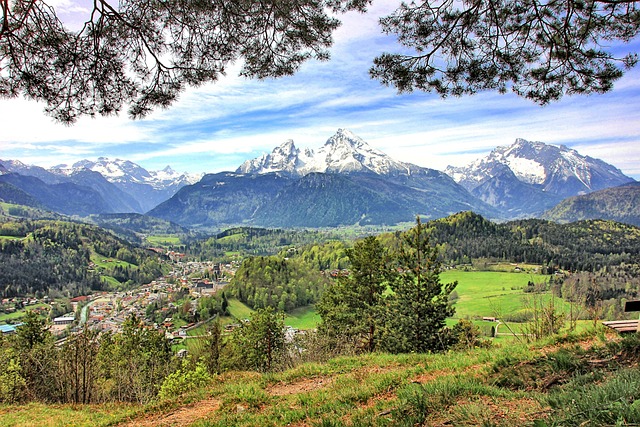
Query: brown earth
(182, 416)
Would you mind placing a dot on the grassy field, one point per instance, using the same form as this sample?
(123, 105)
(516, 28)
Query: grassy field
(106, 262)
(303, 318)
(238, 309)
(489, 293)
(480, 294)
(300, 318)
(163, 240)
(12, 317)
(11, 238)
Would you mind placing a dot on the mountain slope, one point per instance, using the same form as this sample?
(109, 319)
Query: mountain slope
(620, 204)
(148, 188)
(555, 172)
(345, 182)
(67, 198)
(220, 199)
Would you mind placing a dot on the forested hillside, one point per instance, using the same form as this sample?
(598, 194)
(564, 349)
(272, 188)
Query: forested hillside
(585, 245)
(37, 257)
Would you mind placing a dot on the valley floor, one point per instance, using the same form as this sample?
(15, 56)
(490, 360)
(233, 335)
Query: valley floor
(514, 384)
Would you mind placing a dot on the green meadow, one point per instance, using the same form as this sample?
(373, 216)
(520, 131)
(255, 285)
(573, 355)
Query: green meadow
(163, 240)
(489, 293)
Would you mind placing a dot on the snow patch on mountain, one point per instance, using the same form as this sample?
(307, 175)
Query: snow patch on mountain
(527, 170)
(344, 152)
(127, 172)
(558, 170)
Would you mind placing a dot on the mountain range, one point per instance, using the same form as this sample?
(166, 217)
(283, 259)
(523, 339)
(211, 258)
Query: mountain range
(527, 178)
(344, 182)
(86, 187)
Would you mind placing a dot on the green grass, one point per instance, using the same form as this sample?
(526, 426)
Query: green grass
(489, 293)
(456, 388)
(480, 294)
(300, 318)
(112, 282)
(303, 318)
(164, 240)
(11, 238)
(16, 315)
(41, 415)
(102, 261)
(238, 310)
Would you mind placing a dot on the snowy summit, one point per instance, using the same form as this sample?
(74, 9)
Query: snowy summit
(344, 152)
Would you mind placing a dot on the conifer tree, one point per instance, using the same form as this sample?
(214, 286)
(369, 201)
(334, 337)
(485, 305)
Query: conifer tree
(350, 307)
(417, 309)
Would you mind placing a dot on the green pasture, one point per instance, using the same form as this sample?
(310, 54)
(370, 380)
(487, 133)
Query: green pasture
(238, 310)
(303, 318)
(480, 294)
(300, 318)
(16, 315)
(102, 261)
(489, 293)
(164, 240)
(11, 238)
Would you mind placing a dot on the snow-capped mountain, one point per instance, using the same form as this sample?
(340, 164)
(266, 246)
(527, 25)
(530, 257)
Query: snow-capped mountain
(549, 173)
(559, 170)
(344, 182)
(122, 184)
(125, 171)
(344, 152)
(149, 188)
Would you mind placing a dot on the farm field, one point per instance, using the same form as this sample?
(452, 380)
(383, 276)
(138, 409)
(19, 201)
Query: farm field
(489, 293)
(163, 240)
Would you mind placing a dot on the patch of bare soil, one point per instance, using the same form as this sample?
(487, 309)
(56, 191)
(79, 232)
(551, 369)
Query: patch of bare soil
(182, 416)
(303, 386)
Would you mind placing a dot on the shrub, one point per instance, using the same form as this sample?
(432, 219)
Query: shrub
(184, 380)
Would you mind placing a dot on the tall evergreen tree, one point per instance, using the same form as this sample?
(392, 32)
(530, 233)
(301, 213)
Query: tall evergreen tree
(417, 309)
(350, 307)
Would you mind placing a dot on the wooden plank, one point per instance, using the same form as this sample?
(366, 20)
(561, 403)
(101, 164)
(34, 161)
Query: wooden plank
(623, 325)
(630, 306)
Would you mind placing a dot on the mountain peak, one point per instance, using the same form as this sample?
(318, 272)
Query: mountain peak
(344, 152)
(556, 170)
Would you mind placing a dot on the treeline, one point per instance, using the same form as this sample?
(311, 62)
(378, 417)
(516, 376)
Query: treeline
(277, 282)
(602, 294)
(253, 242)
(41, 256)
(581, 246)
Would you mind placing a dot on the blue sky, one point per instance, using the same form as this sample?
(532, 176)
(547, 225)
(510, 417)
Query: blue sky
(218, 126)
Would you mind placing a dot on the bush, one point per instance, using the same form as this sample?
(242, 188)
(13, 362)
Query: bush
(184, 380)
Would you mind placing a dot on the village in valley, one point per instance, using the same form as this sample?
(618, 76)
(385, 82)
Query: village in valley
(181, 289)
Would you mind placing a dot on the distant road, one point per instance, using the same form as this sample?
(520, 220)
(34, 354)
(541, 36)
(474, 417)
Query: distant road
(84, 313)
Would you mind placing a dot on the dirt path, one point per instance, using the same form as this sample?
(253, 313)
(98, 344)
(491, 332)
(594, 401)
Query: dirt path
(182, 416)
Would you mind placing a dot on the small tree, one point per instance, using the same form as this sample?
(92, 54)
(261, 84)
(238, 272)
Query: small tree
(417, 309)
(261, 340)
(350, 308)
(212, 347)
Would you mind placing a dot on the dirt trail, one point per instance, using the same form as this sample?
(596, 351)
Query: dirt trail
(182, 416)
